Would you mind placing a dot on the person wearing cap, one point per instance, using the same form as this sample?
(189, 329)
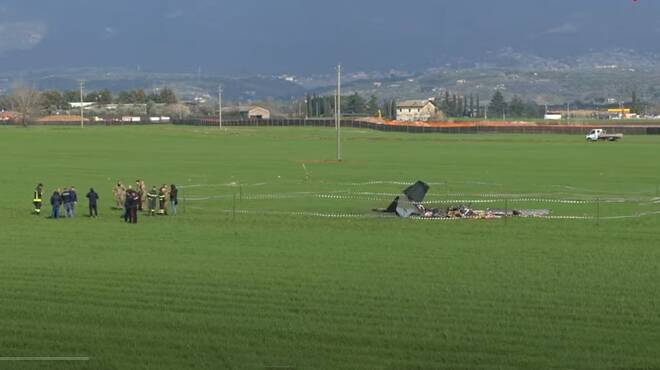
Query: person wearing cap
(93, 197)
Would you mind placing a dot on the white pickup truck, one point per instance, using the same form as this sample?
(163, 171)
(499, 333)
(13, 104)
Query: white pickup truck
(600, 134)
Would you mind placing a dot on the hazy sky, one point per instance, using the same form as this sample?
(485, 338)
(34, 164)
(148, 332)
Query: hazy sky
(302, 36)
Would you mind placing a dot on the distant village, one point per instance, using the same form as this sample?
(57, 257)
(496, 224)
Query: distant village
(26, 105)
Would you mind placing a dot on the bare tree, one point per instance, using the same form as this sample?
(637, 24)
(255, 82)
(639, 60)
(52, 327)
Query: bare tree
(26, 101)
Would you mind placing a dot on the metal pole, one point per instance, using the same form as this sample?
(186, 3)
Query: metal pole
(220, 106)
(339, 112)
(82, 108)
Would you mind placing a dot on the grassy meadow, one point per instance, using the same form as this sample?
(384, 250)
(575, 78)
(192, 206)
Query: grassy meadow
(239, 279)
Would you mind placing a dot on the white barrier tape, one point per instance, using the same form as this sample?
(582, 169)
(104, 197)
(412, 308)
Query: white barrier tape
(227, 185)
(309, 214)
(384, 182)
(390, 197)
(340, 215)
(408, 183)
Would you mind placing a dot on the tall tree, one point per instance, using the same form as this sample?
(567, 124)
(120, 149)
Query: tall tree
(167, 96)
(52, 101)
(26, 101)
(71, 96)
(372, 105)
(354, 104)
(497, 106)
(517, 107)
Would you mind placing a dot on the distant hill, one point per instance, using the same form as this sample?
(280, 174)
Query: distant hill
(597, 76)
(187, 86)
(592, 77)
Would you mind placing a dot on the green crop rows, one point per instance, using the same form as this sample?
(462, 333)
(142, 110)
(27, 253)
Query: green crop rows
(239, 280)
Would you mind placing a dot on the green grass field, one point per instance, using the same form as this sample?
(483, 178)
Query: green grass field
(263, 287)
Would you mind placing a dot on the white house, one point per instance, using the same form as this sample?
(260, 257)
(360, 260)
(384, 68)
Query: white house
(416, 110)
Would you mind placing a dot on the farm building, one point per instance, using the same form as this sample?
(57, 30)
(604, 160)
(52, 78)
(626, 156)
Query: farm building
(416, 110)
(246, 112)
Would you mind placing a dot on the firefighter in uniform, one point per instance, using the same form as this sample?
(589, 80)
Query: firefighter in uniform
(37, 199)
(162, 196)
(152, 199)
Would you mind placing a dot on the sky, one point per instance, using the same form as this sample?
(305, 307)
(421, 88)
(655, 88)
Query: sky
(246, 37)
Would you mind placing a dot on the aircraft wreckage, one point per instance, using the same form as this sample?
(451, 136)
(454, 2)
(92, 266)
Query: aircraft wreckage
(410, 204)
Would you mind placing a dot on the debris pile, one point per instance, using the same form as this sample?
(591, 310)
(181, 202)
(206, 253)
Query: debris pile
(409, 204)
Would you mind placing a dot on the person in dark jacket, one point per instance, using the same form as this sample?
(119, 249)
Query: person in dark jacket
(134, 205)
(93, 197)
(174, 198)
(56, 202)
(132, 200)
(128, 198)
(67, 200)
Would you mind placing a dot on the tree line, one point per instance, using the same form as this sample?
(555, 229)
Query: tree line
(452, 105)
(354, 104)
(28, 102)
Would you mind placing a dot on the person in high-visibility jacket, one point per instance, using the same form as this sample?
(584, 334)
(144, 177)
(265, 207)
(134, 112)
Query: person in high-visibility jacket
(38, 198)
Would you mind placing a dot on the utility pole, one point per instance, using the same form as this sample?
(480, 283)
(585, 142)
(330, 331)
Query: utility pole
(338, 113)
(568, 113)
(82, 107)
(220, 106)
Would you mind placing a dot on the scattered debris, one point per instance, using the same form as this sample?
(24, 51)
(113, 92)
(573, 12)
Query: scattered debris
(409, 204)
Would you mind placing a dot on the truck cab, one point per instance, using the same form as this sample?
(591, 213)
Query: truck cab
(595, 134)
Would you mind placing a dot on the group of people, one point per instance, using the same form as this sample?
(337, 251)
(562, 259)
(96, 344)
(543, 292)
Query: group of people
(131, 200)
(67, 198)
